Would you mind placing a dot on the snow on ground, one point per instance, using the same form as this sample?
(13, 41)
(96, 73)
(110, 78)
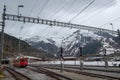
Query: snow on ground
(96, 63)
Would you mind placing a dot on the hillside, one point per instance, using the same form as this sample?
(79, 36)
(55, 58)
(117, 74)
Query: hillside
(11, 47)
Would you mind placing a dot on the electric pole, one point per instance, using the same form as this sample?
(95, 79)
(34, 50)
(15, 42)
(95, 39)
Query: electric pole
(118, 33)
(2, 33)
(105, 58)
(19, 6)
(61, 59)
(80, 58)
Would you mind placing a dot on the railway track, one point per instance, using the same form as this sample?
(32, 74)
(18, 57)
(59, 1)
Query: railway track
(17, 75)
(86, 73)
(94, 68)
(49, 73)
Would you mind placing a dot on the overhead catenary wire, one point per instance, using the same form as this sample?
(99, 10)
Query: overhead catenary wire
(61, 8)
(82, 10)
(97, 11)
(72, 10)
(12, 10)
(46, 2)
(32, 9)
(41, 12)
(34, 4)
(66, 5)
(110, 21)
(77, 8)
(41, 9)
(31, 12)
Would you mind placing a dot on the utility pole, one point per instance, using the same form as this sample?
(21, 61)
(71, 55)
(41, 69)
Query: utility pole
(2, 33)
(118, 33)
(61, 59)
(105, 58)
(80, 58)
(19, 6)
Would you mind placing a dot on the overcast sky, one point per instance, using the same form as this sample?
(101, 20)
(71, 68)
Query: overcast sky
(99, 14)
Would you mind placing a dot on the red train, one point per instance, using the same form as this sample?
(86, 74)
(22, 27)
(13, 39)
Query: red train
(20, 62)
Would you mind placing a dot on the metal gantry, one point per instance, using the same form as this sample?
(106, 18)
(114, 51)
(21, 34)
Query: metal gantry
(54, 23)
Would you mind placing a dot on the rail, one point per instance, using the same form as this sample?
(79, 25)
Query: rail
(86, 73)
(50, 73)
(17, 75)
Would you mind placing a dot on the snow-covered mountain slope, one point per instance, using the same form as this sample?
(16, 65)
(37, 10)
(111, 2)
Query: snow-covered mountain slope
(48, 34)
(71, 39)
(92, 43)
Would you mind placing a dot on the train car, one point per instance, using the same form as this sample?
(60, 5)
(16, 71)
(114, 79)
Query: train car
(20, 62)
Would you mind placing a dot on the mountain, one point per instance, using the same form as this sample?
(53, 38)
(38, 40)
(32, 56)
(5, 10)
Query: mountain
(47, 45)
(89, 42)
(92, 43)
(11, 47)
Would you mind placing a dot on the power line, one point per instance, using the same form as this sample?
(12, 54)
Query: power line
(31, 11)
(34, 4)
(58, 10)
(72, 10)
(40, 9)
(43, 7)
(82, 10)
(99, 11)
(68, 6)
(110, 21)
(75, 9)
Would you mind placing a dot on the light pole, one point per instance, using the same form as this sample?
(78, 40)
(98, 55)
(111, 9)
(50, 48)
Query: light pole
(19, 6)
(111, 25)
